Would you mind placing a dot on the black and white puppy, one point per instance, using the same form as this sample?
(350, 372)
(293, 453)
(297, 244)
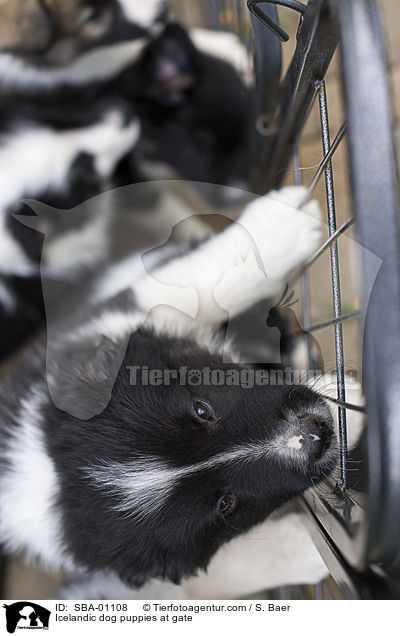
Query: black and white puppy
(154, 483)
(62, 169)
(194, 107)
(56, 151)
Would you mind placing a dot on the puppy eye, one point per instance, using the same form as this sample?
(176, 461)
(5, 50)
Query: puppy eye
(204, 411)
(227, 504)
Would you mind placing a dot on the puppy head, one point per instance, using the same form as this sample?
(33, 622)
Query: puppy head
(195, 110)
(172, 469)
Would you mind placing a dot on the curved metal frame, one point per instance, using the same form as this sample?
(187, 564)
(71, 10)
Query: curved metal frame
(375, 193)
(268, 21)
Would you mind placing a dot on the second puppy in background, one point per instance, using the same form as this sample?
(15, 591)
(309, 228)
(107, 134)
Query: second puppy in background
(194, 107)
(62, 169)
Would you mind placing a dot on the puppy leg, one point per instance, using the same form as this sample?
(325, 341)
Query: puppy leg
(244, 264)
(48, 157)
(109, 140)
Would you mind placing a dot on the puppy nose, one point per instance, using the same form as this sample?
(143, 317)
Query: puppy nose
(316, 434)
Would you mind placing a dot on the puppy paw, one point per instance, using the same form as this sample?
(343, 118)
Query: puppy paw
(285, 236)
(289, 195)
(246, 276)
(115, 135)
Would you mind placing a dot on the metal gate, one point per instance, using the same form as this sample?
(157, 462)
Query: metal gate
(355, 518)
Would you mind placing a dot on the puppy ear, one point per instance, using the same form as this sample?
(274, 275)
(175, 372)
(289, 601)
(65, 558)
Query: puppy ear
(172, 64)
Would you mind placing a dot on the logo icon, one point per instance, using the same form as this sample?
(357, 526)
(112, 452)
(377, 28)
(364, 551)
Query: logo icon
(26, 615)
(295, 341)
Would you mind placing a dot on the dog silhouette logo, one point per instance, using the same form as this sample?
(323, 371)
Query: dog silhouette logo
(26, 615)
(295, 341)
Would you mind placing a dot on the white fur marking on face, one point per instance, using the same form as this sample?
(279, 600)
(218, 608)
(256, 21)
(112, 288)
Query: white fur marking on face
(295, 442)
(143, 486)
(29, 520)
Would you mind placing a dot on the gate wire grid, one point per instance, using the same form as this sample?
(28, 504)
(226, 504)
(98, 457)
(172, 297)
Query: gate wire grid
(336, 488)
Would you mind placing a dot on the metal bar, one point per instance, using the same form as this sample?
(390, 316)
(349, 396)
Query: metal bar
(319, 594)
(289, 4)
(368, 585)
(298, 177)
(325, 161)
(213, 10)
(337, 302)
(346, 405)
(335, 321)
(305, 293)
(341, 230)
(266, 20)
(326, 592)
(305, 287)
(268, 70)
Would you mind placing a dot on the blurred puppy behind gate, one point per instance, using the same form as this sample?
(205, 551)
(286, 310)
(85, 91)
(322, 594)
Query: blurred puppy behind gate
(143, 98)
(54, 31)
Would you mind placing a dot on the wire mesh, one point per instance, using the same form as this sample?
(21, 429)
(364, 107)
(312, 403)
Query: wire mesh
(339, 318)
